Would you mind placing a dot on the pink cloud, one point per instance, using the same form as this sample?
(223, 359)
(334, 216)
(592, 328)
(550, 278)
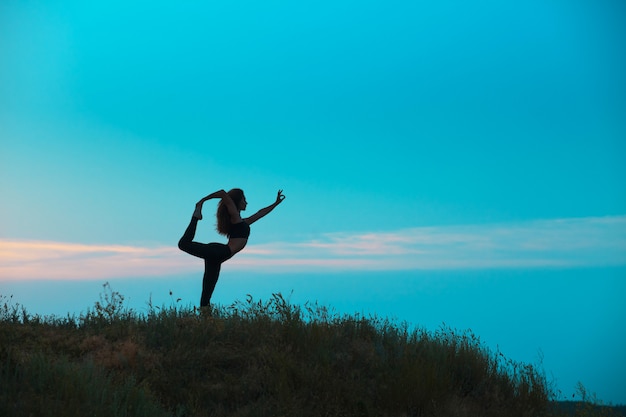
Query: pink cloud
(60, 260)
(599, 241)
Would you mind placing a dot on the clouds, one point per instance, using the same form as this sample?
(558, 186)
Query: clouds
(576, 242)
(23, 260)
(567, 243)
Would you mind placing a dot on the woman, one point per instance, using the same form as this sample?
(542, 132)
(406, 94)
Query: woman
(230, 224)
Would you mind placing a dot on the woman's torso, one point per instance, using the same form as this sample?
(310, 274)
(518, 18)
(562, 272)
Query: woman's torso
(238, 237)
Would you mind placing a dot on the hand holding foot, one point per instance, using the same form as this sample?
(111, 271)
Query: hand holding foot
(198, 211)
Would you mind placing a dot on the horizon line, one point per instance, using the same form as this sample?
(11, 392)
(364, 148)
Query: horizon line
(553, 243)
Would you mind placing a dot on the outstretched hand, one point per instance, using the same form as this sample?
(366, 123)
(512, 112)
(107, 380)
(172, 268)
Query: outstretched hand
(280, 197)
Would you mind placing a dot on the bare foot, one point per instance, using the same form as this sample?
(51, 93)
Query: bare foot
(197, 213)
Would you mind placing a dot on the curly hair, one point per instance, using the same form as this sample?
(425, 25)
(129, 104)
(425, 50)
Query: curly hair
(223, 216)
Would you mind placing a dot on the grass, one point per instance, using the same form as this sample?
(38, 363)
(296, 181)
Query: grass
(254, 358)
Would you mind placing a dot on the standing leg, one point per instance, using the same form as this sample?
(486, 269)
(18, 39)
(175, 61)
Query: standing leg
(211, 274)
(212, 265)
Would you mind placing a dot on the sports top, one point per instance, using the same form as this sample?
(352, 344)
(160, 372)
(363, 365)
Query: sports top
(239, 230)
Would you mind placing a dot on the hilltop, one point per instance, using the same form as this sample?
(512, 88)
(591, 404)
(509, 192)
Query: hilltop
(253, 358)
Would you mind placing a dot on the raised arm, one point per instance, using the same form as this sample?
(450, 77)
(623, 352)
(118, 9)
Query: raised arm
(265, 211)
(230, 204)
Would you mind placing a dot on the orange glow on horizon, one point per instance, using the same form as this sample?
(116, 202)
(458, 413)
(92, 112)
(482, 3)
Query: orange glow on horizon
(547, 243)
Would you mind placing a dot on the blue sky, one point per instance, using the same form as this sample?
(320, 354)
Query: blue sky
(457, 149)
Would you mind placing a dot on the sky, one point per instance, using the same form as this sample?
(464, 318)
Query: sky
(452, 162)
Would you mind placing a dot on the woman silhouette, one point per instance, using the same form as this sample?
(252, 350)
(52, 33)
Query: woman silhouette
(230, 224)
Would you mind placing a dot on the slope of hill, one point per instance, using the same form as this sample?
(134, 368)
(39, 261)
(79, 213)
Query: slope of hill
(253, 358)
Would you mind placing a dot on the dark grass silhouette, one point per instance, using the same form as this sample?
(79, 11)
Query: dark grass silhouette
(253, 358)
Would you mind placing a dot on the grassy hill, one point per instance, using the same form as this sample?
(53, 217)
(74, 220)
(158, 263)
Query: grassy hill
(254, 358)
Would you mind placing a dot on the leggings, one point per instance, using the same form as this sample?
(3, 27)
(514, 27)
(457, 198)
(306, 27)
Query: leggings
(212, 253)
